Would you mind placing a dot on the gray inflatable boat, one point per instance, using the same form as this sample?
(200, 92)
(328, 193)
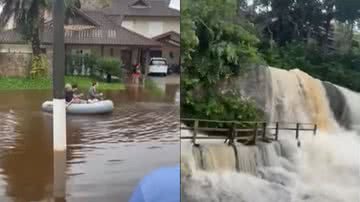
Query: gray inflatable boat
(99, 107)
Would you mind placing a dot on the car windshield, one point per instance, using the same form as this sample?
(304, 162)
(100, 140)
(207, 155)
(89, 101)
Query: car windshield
(158, 62)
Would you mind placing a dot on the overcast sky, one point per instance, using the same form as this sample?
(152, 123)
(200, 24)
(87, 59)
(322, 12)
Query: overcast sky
(175, 4)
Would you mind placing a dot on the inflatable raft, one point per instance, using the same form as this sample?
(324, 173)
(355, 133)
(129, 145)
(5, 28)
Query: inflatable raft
(99, 107)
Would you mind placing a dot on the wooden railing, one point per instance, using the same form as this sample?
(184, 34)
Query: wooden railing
(246, 132)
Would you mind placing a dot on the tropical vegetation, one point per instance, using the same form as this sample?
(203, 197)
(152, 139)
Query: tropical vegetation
(29, 16)
(221, 39)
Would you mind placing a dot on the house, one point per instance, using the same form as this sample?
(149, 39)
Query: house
(105, 32)
(152, 19)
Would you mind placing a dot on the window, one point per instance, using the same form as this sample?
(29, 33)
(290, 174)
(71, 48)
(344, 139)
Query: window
(158, 62)
(171, 55)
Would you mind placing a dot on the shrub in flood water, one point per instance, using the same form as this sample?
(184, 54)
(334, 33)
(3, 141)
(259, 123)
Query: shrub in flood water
(39, 66)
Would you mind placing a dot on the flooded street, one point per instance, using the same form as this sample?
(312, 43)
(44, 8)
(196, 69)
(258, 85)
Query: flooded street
(107, 154)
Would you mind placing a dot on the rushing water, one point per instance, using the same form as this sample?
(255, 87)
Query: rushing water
(326, 168)
(107, 154)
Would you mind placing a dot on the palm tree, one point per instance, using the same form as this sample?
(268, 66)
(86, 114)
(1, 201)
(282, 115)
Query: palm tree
(28, 16)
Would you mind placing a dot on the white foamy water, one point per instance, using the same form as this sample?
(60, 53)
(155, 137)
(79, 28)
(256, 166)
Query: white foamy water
(326, 168)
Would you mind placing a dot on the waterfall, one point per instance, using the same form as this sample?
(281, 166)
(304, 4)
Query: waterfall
(326, 168)
(297, 97)
(247, 158)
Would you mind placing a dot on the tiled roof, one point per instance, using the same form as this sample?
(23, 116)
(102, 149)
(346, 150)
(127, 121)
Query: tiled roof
(156, 8)
(108, 33)
(170, 35)
(169, 38)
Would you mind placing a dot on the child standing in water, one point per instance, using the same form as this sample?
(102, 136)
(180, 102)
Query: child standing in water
(136, 75)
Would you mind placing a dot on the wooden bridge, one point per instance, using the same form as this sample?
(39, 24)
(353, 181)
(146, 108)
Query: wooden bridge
(245, 132)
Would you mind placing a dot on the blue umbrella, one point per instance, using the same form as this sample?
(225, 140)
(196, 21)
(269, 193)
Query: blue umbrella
(162, 185)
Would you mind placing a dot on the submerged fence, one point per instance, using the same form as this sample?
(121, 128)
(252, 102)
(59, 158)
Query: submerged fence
(246, 132)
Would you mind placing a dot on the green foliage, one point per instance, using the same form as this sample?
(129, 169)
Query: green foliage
(39, 66)
(215, 47)
(226, 108)
(46, 83)
(301, 34)
(110, 66)
(341, 69)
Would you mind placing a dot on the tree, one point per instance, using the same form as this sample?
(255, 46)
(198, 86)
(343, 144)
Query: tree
(29, 17)
(216, 45)
(110, 66)
(348, 12)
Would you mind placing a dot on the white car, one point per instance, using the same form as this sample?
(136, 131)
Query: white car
(158, 66)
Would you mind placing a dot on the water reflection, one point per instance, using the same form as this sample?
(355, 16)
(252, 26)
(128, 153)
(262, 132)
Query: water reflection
(27, 164)
(106, 155)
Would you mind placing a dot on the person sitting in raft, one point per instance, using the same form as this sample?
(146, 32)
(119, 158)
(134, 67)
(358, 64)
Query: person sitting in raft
(76, 95)
(93, 95)
(69, 93)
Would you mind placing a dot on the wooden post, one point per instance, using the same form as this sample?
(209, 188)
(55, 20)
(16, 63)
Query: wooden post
(297, 130)
(196, 125)
(315, 129)
(232, 133)
(264, 130)
(277, 131)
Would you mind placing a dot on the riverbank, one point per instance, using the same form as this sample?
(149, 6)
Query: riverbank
(46, 83)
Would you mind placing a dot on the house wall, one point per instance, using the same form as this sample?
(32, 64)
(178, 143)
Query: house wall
(166, 50)
(15, 60)
(15, 48)
(95, 4)
(15, 64)
(152, 26)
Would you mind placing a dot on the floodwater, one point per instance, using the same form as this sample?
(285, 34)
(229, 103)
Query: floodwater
(106, 156)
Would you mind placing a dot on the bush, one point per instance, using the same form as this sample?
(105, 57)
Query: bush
(221, 107)
(90, 62)
(109, 66)
(39, 66)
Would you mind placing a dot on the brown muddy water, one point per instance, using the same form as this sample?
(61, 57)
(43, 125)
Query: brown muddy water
(106, 155)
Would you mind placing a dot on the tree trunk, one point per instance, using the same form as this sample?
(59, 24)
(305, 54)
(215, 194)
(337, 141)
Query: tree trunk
(325, 41)
(351, 35)
(35, 42)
